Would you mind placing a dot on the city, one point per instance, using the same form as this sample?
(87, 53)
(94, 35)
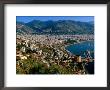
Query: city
(46, 54)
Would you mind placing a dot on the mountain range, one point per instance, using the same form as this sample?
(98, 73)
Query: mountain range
(55, 27)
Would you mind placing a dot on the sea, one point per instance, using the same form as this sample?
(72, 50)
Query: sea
(81, 48)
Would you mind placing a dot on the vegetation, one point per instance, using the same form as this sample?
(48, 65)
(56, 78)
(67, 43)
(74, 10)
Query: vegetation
(36, 64)
(55, 27)
(69, 41)
(30, 66)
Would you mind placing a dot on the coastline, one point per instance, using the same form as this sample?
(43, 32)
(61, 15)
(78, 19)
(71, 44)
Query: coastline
(78, 43)
(74, 44)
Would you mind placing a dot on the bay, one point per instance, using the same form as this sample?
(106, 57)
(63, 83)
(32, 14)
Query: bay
(81, 48)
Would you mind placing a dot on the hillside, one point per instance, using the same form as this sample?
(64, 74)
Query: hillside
(54, 27)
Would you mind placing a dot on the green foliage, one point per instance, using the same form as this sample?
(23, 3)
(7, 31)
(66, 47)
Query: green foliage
(35, 64)
(69, 41)
(56, 27)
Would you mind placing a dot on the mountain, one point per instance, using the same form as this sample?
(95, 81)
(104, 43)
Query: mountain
(55, 27)
(21, 28)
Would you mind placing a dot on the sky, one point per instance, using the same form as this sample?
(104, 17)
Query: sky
(27, 19)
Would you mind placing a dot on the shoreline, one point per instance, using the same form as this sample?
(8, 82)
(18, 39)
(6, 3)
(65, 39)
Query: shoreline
(78, 43)
(74, 44)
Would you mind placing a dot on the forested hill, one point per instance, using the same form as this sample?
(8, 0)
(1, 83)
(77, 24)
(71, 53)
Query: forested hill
(55, 27)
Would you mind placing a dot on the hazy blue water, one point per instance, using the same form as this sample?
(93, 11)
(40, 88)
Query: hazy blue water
(80, 48)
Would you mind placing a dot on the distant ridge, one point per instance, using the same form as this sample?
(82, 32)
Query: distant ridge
(55, 27)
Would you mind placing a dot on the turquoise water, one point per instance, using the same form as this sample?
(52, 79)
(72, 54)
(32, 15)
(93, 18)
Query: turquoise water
(81, 48)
